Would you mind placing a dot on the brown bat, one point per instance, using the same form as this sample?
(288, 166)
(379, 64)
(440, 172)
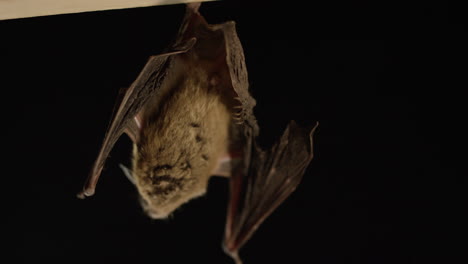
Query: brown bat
(190, 116)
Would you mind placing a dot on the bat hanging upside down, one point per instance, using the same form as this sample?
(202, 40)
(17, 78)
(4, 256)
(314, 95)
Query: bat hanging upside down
(190, 116)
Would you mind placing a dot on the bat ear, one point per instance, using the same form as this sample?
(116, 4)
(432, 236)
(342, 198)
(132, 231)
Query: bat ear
(128, 173)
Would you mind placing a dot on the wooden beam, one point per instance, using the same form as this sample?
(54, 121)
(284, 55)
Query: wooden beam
(11, 9)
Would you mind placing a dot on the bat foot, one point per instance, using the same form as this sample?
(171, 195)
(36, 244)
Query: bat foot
(194, 7)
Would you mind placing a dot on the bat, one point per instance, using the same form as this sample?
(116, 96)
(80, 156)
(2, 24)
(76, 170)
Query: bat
(190, 116)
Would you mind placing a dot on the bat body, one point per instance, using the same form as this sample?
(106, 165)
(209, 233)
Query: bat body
(183, 139)
(190, 116)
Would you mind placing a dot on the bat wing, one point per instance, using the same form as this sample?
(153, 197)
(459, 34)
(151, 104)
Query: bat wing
(235, 61)
(263, 179)
(130, 103)
(147, 85)
(263, 182)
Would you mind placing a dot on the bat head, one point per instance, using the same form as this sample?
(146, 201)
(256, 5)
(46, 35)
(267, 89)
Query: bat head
(163, 187)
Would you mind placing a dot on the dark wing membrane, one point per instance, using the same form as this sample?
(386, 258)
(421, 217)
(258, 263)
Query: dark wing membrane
(264, 181)
(147, 85)
(235, 61)
(130, 104)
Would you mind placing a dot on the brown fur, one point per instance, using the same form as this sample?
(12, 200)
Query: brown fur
(180, 143)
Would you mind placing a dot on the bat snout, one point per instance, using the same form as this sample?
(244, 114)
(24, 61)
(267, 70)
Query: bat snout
(156, 214)
(153, 211)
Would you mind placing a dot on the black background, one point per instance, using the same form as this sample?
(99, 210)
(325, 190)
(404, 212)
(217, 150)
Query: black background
(383, 80)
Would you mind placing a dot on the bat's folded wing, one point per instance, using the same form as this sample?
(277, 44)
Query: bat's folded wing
(129, 105)
(263, 182)
(148, 84)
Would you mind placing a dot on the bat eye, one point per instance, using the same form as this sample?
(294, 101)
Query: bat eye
(161, 180)
(161, 168)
